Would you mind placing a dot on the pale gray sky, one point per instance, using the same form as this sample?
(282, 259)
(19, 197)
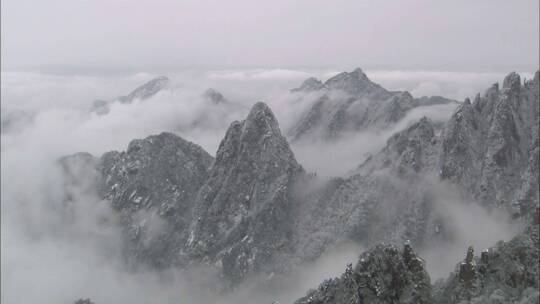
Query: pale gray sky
(416, 34)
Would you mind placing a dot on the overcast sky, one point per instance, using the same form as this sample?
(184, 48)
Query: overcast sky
(458, 35)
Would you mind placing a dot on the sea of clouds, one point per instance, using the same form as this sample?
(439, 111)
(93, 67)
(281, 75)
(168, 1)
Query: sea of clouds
(55, 254)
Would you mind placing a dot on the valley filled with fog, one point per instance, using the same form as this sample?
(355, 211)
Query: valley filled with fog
(56, 250)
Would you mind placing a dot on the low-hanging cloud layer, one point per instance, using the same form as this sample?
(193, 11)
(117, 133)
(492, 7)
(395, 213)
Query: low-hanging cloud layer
(63, 252)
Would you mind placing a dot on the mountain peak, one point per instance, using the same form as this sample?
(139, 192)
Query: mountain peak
(257, 139)
(261, 121)
(214, 96)
(355, 83)
(146, 90)
(309, 85)
(512, 81)
(359, 73)
(381, 275)
(260, 107)
(245, 206)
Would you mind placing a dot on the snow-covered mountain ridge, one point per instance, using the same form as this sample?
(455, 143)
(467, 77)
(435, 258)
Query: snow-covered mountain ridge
(253, 210)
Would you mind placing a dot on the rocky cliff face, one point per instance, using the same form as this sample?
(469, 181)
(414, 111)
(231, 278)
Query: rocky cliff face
(383, 274)
(489, 150)
(505, 273)
(243, 210)
(387, 198)
(309, 85)
(393, 195)
(350, 102)
(179, 206)
(490, 146)
(152, 186)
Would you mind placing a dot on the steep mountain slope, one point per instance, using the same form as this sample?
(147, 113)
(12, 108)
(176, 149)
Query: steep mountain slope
(179, 206)
(152, 186)
(350, 102)
(243, 209)
(383, 274)
(393, 196)
(490, 147)
(146, 90)
(388, 198)
(505, 273)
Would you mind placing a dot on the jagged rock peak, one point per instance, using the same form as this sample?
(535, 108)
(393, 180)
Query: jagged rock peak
(263, 108)
(505, 273)
(153, 185)
(356, 75)
(309, 85)
(258, 132)
(425, 122)
(244, 208)
(146, 90)
(382, 275)
(414, 146)
(534, 82)
(423, 130)
(405, 95)
(355, 83)
(214, 96)
(493, 90)
(512, 81)
(155, 163)
(160, 140)
(359, 73)
(424, 127)
(487, 146)
(156, 83)
(261, 120)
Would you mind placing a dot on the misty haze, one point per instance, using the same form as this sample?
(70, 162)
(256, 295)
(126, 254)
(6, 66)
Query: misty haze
(302, 152)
